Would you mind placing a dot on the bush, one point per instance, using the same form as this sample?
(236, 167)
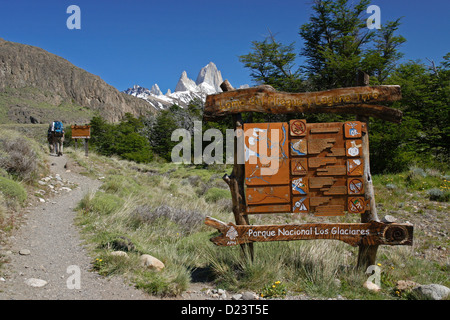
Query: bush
(18, 158)
(101, 203)
(122, 139)
(13, 193)
(120, 185)
(215, 194)
(436, 194)
(189, 221)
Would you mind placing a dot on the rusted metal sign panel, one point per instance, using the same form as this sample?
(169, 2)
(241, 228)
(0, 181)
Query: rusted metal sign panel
(313, 167)
(81, 132)
(372, 233)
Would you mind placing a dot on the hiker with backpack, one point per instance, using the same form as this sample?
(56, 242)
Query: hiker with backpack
(56, 137)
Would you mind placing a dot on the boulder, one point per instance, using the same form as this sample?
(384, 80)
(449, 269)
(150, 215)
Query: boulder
(431, 292)
(403, 285)
(119, 254)
(369, 285)
(151, 262)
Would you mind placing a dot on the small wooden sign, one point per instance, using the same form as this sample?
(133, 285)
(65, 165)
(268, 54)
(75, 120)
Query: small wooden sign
(372, 233)
(81, 132)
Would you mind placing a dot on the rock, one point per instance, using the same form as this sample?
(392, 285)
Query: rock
(391, 186)
(237, 296)
(151, 262)
(119, 254)
(36, 283)
(42, 200)
(211, 76)
(248, 295)
(24, 252)
(369, 285)
(337, 282)
(431, 292)
(389, 219)
(403, 285)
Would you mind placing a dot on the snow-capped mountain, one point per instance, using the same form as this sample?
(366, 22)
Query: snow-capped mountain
(208, 82)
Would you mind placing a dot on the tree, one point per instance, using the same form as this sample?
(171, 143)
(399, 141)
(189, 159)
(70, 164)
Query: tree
(334, 41)
(123, 139)
(272, 63)
(381, 61)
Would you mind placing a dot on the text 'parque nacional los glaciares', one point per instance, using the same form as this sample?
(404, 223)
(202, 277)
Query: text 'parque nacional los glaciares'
(373, 233)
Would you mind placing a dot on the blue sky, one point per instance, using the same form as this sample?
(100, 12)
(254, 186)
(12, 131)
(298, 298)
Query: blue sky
(147, 42)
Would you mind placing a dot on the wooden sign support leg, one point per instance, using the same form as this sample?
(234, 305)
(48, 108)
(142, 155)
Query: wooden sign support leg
(86, 147)
(367, 253)
(236, 180)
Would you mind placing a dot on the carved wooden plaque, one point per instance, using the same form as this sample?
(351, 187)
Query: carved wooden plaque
(372, 233)
(304, 167)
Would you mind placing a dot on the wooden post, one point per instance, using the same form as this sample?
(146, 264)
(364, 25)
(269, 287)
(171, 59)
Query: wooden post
(367, 253)
(236, 180)
(86, 147)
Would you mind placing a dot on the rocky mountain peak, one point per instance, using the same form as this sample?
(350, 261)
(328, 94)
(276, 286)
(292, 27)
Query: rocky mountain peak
(185, 84)
(210, 75)
(155, 90)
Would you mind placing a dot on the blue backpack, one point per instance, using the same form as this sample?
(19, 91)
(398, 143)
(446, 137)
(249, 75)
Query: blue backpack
(58, 129)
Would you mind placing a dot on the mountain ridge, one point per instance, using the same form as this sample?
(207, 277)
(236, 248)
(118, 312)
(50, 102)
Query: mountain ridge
(38, 84)
(208, 82)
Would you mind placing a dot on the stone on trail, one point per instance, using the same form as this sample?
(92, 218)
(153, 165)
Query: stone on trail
(36, 283)
(24, 252)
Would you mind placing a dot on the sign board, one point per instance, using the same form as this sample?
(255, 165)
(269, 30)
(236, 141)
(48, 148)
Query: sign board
(372, 233)
(81, 132)
(301, 167)
(353, 100)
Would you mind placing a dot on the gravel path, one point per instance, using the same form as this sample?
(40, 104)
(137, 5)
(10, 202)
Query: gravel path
(48, 247)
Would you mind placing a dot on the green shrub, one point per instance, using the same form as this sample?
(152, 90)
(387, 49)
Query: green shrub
(436, 194)
(13, 193)
(120, 185)
(214, 194)
(122, 139)
(101, 203)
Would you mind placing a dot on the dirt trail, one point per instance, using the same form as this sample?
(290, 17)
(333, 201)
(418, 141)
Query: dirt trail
(55, 246)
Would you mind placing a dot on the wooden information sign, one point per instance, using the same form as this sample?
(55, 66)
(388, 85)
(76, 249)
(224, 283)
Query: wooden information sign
(81, 132)
(313, 167)
(300, 167)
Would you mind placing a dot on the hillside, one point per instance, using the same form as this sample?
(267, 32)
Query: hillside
(37, 86)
